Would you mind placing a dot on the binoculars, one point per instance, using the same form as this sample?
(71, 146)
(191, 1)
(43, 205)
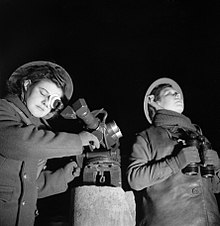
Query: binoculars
(202, 145)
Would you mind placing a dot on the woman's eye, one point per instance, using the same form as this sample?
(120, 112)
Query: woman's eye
(167, 93)
(43, 93)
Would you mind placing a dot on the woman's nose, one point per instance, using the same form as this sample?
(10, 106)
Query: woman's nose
(177, 95)
(45, 102)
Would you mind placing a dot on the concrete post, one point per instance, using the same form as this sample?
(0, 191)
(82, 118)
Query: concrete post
(103, 206)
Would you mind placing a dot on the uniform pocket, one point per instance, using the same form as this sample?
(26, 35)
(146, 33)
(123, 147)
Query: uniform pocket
(6, 193)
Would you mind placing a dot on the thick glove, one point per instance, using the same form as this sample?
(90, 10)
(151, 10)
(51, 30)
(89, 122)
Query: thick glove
(71, 170)
(211, 158)
(88, 139)
(186, 156)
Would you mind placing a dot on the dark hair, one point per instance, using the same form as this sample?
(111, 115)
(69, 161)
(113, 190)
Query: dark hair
(35, 73)
(156, 92)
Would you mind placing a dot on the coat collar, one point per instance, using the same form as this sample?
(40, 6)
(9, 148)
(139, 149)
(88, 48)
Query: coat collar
(18, 103)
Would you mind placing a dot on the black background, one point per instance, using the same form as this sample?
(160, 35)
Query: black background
(115, 49)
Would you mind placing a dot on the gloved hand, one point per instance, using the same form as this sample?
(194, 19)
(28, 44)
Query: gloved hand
(187, 155)
(211, 158)
(71, 170)
(89, 139)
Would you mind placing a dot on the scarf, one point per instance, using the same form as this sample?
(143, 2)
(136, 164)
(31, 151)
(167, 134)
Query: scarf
(173, 120)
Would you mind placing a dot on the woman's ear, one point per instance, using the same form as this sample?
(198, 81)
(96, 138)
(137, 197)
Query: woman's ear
(27, 83)
(153, 103)
(150, 99)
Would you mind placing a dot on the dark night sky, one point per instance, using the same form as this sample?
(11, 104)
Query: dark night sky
(115, 49)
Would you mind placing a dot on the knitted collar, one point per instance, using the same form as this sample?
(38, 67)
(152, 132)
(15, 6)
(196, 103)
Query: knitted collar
(172, 120)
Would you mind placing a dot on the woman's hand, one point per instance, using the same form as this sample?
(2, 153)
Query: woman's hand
(71, 170)
(211, 158)
(89, 139)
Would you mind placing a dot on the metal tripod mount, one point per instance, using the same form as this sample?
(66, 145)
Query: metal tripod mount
(101, 166)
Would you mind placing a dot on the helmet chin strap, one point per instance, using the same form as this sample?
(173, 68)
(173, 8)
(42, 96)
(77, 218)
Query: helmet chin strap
(24, 90)
(23, 96)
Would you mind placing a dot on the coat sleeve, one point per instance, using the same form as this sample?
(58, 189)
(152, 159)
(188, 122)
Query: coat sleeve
(21, 142)
(144, 170)
(50, 183)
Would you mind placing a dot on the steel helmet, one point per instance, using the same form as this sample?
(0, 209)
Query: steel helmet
(63, 75)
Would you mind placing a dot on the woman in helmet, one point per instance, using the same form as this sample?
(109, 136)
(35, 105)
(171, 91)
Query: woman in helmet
(36, 91)
(172, 168)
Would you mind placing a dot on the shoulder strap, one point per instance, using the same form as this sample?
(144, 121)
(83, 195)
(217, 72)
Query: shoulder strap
(21, 113)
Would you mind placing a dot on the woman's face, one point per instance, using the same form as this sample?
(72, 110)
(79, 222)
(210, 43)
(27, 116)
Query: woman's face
(170, 99)
(39, 96)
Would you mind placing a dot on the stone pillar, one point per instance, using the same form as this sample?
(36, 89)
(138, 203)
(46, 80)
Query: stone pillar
(102, 206)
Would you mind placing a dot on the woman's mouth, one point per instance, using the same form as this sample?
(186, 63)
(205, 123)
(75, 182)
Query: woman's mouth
(39, 107)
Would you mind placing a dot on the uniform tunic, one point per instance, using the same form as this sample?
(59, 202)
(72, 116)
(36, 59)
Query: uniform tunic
(24, 150)
(169, 197)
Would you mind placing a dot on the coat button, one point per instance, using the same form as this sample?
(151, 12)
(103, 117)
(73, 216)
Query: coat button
(196, 191)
